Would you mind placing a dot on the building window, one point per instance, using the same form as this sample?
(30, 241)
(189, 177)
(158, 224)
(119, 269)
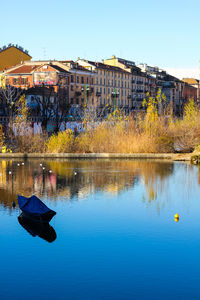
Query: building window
(77, 79)
(104, 91)
(77, 102)
(14, 81)
(72, 87)
(82, 79)
(24, 81)
(72, 100)
(82, 100)
(72, 78)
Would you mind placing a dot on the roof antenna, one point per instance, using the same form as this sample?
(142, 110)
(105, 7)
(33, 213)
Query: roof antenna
(44, 53)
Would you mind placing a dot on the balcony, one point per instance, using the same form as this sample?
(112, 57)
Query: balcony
(98, 94)
(113, 94)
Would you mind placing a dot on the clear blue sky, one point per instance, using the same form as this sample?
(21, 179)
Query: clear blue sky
(163, 33)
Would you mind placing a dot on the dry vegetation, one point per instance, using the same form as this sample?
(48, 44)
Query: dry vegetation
(155, 131)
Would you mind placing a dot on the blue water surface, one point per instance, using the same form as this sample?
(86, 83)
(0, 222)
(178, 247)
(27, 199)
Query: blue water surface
(116, 233)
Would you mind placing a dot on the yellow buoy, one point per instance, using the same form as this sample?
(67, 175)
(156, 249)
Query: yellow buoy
(176, 217)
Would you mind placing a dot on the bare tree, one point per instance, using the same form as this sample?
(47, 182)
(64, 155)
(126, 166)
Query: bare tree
(8, 98)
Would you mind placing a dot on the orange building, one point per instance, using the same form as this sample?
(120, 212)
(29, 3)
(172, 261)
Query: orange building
(12, 55)
(192, 88)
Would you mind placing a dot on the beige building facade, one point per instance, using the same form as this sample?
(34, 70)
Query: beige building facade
(112, 85)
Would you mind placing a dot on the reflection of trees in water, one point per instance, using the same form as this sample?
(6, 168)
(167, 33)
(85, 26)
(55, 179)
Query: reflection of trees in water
(155, 179)
(74, 179)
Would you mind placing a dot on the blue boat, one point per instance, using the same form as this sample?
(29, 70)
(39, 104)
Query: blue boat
(34, 209)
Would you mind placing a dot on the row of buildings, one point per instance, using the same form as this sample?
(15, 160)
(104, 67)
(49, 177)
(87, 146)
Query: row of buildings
(113, 82)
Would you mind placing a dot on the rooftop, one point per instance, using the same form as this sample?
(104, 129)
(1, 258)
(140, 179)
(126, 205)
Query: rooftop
(4, 48)
(24, 69)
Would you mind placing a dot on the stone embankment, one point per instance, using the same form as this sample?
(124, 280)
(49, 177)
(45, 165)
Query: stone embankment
(168, 156)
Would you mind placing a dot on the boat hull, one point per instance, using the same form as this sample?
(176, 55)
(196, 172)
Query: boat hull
(44, 218)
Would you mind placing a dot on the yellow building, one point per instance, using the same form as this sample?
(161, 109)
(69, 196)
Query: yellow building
(12, 55)
(140, 82)
(112, 85)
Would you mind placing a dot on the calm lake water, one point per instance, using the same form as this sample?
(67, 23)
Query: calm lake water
(114, 235)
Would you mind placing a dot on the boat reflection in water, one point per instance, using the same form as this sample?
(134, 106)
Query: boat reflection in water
(43, 230)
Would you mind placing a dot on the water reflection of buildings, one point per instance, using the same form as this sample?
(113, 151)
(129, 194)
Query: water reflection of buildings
(75, 179)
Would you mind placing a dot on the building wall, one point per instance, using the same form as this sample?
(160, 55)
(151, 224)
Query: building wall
(81, 88)
(11, 57)
(190, 92)
(140, 83)
(112, 86)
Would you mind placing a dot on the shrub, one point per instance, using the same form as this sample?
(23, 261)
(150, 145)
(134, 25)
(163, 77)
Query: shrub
(61, 142)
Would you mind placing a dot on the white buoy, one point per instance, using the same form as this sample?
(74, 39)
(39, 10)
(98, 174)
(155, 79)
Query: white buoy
(75, 173)
(10, 172)
(18, 165)
(50, 171)
(40, 165)
(22, 164)
(43, 168)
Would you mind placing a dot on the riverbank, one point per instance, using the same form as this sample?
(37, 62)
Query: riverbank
(168, 156)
